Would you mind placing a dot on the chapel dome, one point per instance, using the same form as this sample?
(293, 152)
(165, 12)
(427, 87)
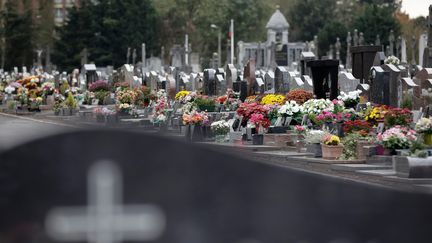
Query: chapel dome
(277, 21)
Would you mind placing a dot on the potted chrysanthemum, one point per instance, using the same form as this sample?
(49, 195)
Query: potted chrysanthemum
(220, 129)
(424, 126)
(260, 121)
(331, 147)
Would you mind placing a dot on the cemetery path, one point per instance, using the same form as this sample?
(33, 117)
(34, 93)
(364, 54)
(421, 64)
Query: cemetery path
(15, 130)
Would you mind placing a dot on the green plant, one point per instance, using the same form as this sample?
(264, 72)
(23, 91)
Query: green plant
(101, 95)
(64, 87)
(417, 150)
(407, 102)
(204, 102)
(11, 104)
(70, 102)
(350, 145)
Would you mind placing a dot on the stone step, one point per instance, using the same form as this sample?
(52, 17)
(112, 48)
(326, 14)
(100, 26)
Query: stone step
(377, 172)
(414, 181)
(358, 167)
(379, 159)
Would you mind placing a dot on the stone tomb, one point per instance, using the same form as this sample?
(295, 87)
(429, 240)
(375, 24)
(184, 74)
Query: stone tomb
(325, 78)
(209, 85)
(115, 194)
(380, 86)
(281, 81)
(221, 84)
(347, 82)
(295, 80)
(423, 78)
(269, 81)
(249, 76)
(89, 73)
(231, 75)
(362, 60)
(395, 87)
(307, 83)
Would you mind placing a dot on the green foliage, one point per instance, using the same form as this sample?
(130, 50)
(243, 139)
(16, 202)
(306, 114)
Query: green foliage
(70, 102)
(64, 87)
(107, 30)
(101, 95)
(328, 34)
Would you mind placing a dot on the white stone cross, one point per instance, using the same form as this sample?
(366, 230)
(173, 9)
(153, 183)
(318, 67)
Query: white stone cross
(105, 219)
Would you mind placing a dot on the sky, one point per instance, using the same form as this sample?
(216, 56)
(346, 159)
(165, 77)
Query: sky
(416, 8)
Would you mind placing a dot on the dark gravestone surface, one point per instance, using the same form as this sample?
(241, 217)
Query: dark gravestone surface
(249, 76)
(363, 58)
(282, 55)
(281, 80)
(380, 86)
(325, 78)
(188, 194)
(209, 82)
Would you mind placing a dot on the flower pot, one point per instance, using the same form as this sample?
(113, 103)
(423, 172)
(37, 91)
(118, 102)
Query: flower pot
(220, 138)
(57, 112)
(427, 138)
(50, 100)
(314, 149)
(258, 139)
(331, 152)
(300, 144)
(389, 152)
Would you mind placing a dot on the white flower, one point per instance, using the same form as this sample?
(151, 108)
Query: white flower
(9, 89)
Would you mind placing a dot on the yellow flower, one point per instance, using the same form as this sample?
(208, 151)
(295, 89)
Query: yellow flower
(181, 94)
(273, 99)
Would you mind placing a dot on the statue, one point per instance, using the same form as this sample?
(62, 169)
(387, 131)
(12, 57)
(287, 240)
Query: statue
(134, 56)
(338, 47)
(398, 47)
(348, 57)
(378, 40)
(413, 51)
(356, 38)
(316, 45)
(361, 39)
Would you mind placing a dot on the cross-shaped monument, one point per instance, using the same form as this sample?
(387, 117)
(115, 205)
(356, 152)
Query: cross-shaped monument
(105, 219)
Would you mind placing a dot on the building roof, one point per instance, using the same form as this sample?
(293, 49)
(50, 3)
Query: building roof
(277, 21)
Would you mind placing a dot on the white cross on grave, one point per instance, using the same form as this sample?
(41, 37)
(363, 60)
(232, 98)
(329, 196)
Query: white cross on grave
(105, 219)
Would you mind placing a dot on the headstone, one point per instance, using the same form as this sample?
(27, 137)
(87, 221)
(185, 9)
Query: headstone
(325, 78)
(281, 81)
(209, 82)
(422, 49)
(347, 82)
(355, 38)
(348, 57)
(249, 76)
(269, 81)
(377, 40)
(220, 83)
(306, 57)
(408, 87)
(404, 51)
(380, 86)
(392, 43)
(338, 47)
(424, 79)
(260, 86)
(365, 90)
(362, 59)
(413, 50)
(231, 75)
(281, 55)
(307, 83)
(89, 71)
(361, 39)
(427, 54)
(379, 59)
(127, 72)
(395, 85)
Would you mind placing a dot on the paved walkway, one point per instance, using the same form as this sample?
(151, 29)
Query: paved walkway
(16, 130)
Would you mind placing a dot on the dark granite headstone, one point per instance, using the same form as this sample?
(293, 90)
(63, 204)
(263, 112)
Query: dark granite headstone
(395, 85)
(116, 193)
(282, 55)
(209, 86)
(362, 60)
(380, 86)
(325, 78)
(281, 81)
(231, 75)
(379, 59)
(249, 76)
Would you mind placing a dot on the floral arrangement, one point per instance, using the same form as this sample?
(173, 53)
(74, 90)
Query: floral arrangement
(376, 113)
(251, 99)
(314, 136)
(397, 137)
(398, 116)
(424, 125)
(36, 101)
(300, 129)
(360, 127)
(125, 107)
(70, 102)
(222, 99)
(331, 140)
(10, 89)
(260, 120)
(273, 99)
(316, 106)
(126, 96)
(143, 96)
(220, 127)
(48, 88)
(291, 109)
(121, 85)
(247, 109)
(351, 99)
(195, 118)
(299, 95)
(159, 112)
(181, 95)
(392, 60)
(99, 85)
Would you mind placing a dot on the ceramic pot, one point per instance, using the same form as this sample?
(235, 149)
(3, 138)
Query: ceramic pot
(314, 149)
(331, 152)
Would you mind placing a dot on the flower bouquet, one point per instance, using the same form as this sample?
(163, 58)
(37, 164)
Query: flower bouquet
(299, 95)
(126, 96)
(424, 126)
(273, 99)
(260, 121)
(313, 139)
(220, 130)
(398, 116)
(350, 99)
(194, 120)
(376, 114)
(360, 127)
(293, 110)
(392, 60)
(247, 109)
(397, 137)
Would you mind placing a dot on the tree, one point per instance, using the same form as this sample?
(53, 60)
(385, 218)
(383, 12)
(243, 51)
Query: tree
(107, 29)
(18, 33)
(328, 35)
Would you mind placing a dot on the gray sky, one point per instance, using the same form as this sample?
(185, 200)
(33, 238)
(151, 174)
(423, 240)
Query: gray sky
(416, 8)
